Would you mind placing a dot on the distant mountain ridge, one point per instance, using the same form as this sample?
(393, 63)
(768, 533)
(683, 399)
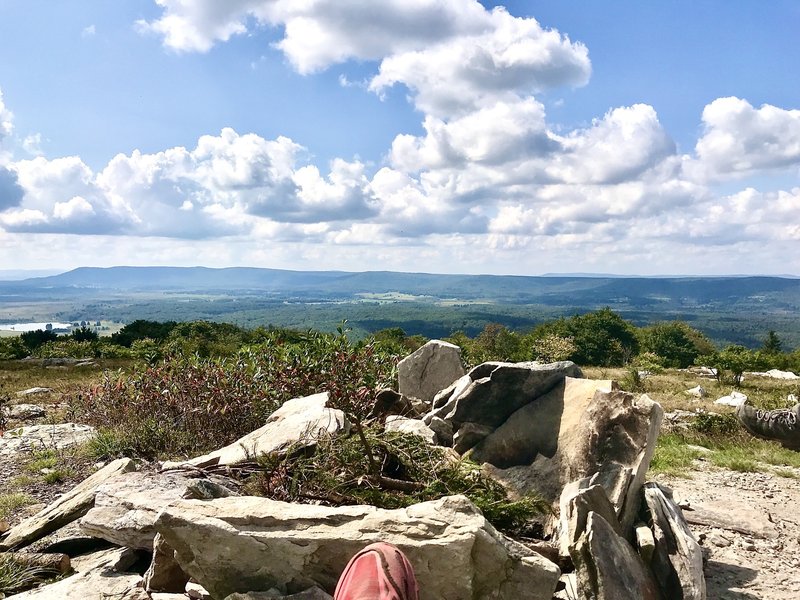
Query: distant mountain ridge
(561, 290)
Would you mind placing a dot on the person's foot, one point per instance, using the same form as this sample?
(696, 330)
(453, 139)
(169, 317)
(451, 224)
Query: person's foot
(781, 425)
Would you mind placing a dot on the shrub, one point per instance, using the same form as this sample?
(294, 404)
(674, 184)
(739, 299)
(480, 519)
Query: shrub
(188, 404)
(335, 474)
(12, 348)
(675, 342)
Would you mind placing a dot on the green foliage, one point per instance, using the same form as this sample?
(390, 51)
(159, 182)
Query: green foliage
(715, 425)
(673, 456)
(84, 334)
(206, 339)
(735, 360)
(395, 340)
(675, 342)
(16, 576)
(551, 347)
(66, 346)
(336, 473)
(33, 339)
(601, 338)
(12, 348)
(633, 381)
(141, 330)
(772, 344)
(11, 502)
(185, 405)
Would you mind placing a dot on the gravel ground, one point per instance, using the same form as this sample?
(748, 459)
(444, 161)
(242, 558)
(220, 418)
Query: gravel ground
(750, 528)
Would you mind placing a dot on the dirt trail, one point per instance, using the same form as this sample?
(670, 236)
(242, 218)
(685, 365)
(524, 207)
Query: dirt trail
(750, 525)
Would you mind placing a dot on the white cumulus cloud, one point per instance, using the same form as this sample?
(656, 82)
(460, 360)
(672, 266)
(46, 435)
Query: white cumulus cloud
(739, 138)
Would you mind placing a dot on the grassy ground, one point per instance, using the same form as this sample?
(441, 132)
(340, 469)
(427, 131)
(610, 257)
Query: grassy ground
(714, 436)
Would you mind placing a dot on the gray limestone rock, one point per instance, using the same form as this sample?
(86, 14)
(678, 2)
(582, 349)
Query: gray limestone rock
(66, 509)
(100, 575)
(412, 426)
(126, 507)
(429, 369)
(607, 567)
(491, 399)
(36, 437)
(249, 544)
(296, 424)
(678, 559)
(603, 434)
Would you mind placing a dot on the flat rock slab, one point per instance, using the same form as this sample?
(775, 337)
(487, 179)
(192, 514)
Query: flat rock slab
(737, 517)
(66, 509)
(126, 506)
(37, 437)
(249, 544)
(100, 575)
(34, 391)
(23, 411)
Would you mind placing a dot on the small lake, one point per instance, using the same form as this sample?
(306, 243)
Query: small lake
(23, 327)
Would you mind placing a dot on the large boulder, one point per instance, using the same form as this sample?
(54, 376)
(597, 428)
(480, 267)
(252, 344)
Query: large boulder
(599, 435)
(607, 566)
(429, 369)
(678, 559)
(126, 507)
(498, 390)
(297, 424)
(249, 544)
(66, 509)
(539, 427)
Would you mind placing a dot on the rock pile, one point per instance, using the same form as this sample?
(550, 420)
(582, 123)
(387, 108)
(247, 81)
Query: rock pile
(582, 445)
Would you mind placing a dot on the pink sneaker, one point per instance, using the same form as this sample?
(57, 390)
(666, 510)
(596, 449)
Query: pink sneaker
(379, 572)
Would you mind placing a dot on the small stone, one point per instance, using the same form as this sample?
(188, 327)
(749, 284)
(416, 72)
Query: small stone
(197, 591)
(719, 540)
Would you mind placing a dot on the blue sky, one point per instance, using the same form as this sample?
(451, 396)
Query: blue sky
(426, 135)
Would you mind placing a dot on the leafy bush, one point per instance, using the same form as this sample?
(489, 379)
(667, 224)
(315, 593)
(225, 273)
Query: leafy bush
(12, 348)
(187, 404)
(675, 342)
(66, 347)
(142, 329)
(601, 338)
(34, 339)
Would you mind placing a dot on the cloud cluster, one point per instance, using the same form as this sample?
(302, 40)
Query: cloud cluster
(489, 178)
(453, 55)
(740, 139)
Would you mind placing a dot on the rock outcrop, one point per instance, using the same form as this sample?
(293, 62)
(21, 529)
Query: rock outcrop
(126, 507)
(249, 544)
(35, 437)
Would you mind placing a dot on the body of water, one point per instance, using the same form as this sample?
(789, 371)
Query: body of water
(23, 327)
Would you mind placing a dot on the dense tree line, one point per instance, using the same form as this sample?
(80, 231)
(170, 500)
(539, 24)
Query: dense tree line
(599, 338)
